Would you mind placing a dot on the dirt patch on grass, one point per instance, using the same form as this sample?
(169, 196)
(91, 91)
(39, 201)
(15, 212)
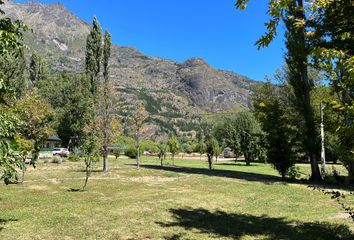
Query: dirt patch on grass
(39, 187)
(151, 179)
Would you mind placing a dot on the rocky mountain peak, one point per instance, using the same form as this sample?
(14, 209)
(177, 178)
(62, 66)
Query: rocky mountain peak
(172, 90)
(195, 62)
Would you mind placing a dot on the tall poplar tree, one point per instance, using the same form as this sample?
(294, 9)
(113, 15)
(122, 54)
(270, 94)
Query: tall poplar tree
(298, 77)
(93, 57)
(106, 98)
(294, 14)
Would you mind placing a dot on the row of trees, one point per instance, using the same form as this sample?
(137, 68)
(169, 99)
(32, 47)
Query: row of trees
(319, 35)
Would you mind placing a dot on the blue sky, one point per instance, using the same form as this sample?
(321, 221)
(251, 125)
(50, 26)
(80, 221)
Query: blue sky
(181, 29)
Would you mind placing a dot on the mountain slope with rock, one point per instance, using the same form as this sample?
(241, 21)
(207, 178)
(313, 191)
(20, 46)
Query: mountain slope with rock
(176, 93)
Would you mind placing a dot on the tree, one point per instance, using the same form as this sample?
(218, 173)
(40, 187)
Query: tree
(9, 160)
(212, 146)
(201, 147)
(24, 148)
(37, 116)
(163, 148)
(217, 149)
(38, 71)
(302, 85)
(243, 134)
(139, 116)
(91, 147)
(93, 57)
(332, 43)
(106, 98)
(273, 107)
(11, 47)
(69, 96)
(294, 14)
(174, 147)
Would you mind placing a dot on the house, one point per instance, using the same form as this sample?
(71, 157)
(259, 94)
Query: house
(52, 142)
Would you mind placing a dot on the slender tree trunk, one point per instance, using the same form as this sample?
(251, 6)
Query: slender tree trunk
(297, 60)
(88, 173)
(105, 160)
(138, 153)
(210, 161)
(173, 159)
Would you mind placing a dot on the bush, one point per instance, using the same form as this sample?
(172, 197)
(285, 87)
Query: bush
(131, 152)
(293, 172)
(75, 155)
(57, 160)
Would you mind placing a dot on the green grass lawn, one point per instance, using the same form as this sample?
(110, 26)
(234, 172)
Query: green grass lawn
(184, 202)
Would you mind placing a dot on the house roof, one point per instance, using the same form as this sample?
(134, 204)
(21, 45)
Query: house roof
(54, 138)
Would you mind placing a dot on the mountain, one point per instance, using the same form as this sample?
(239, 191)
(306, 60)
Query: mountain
(175, 92)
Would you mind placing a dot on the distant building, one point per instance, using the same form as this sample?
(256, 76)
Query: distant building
(228, 153)
(52, 142)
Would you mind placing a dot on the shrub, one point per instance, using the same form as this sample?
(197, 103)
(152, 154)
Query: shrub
(131, 152)
(57, 160)
(75, 155)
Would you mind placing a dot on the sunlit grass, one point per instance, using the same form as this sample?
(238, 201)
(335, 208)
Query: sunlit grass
(184, 202)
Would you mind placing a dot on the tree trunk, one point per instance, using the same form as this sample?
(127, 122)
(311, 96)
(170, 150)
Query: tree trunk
(105, 159)
(210, 161)
(138, 157)
(88, 173)
(351, 171)
(297, 61)
(173, 159)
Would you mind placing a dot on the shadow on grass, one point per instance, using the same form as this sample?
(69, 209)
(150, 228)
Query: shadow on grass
(234, 164)
(236, 226)
(3, 222)
(219, 173)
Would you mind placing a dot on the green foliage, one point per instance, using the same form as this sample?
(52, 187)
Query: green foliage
(93, 56)
(243, 134)
(150, 146)
(281, 125)
(131, 151)
(91, 147)
(37, 116)
(69, 96)
(212, 149)
(38, 71)
(201, 147)
(332, 43)
(75, 155)
(163, 149)
(173, 145)
(153, 106)
(11, 82)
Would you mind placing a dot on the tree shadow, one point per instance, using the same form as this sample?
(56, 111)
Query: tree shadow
(4, 221)
(234, 164)
(75, 190)
(219, 173)
(248, 176)
(236, 226)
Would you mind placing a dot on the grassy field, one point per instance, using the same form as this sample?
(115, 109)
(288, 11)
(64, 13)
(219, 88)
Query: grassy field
(184, 202)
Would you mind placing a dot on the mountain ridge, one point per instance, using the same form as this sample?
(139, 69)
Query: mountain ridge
(192, 86)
